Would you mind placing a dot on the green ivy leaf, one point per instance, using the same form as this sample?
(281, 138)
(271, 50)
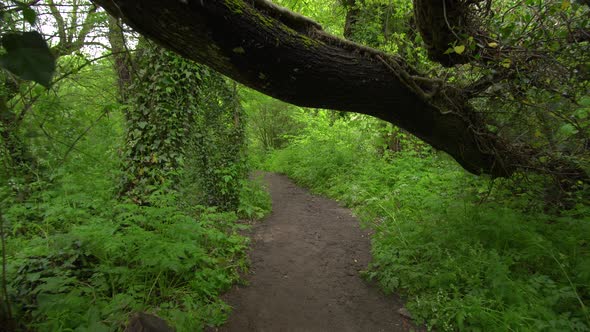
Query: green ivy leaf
(565, 4)
(568, 130)
(582, 113)
(506, 63)
(28, 57)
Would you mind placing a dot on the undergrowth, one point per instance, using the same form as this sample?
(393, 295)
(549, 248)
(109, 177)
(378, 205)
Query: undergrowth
(83, 263)
(255, 201)
(469, 253)
(91, 275)
(82, 257)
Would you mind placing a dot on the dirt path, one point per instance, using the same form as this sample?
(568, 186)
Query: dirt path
(306, 257)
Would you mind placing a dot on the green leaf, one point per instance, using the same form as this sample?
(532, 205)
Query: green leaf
(582, 113)
(28, 57)
(29, 15)
(568, 130)
(565, 4)
(239, 50)
(459, 49)
(506, 63)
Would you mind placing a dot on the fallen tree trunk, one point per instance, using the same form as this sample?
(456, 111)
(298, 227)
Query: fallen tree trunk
(290, 57)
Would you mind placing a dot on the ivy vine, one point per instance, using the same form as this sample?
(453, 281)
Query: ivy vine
(185, 132)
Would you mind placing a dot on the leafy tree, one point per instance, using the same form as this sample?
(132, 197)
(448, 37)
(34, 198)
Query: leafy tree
(159, 118)
(215, 168)
(270, 122)
(29, 57)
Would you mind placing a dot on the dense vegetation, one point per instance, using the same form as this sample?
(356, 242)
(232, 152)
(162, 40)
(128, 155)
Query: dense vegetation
(469, 253)
(122, 198)
(126, 175)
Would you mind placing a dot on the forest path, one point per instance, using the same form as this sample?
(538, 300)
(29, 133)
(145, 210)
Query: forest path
(306, 257)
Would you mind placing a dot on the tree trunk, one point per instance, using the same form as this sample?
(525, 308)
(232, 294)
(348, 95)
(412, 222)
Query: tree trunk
(352, 14)
(159, 118)
(121, 56)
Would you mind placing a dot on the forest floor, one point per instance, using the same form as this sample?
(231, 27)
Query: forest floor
(306, 258)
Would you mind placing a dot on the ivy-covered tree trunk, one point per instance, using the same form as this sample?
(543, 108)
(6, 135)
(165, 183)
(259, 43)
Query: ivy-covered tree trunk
(184, 132)
(159, 117)
(215, 161)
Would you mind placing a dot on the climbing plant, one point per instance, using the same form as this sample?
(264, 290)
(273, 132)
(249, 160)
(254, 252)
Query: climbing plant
(184, 130)
(215, 163)
(159, 116)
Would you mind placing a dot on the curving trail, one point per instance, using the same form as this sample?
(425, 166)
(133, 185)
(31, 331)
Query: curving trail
(306, 257)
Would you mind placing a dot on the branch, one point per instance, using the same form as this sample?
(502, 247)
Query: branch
(293, 60)
(288, 57)
(59, 20)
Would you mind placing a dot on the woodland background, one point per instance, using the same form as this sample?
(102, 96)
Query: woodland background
(126, 175)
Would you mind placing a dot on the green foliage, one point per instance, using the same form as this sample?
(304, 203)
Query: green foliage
(127, 258)
(328, 12)
(271, 124)
(255, 201)
(185, 127)
(215, 168)
(28, 56)
(159, 119)
(79, 258)
(469, 254)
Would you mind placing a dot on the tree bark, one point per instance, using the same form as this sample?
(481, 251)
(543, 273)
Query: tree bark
(121, 57)
(291, 59)
(441, 24)
(352, 14)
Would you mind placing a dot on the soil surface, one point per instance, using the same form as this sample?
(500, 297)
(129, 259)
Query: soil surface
(306, 258)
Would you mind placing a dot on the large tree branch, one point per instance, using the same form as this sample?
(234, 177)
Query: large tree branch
(290, 58)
